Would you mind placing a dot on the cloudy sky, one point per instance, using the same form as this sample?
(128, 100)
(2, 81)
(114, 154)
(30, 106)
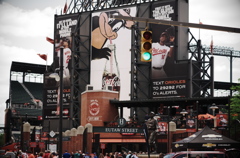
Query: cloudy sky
(25, 24)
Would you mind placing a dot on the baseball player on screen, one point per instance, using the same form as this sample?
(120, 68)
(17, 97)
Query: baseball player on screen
(65, 42)
(66, 58)
(160, 52)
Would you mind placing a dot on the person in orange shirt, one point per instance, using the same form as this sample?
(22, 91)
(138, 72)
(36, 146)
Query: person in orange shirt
(30, 155)
(46, 154)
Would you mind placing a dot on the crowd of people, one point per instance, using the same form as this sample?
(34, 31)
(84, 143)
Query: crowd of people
(76, 154)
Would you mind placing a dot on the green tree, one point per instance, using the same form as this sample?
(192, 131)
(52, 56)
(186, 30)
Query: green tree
(1, 139)
(235, 103)
(235, 113)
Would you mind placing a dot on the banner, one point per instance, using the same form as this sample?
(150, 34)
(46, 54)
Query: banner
(168, 77)
(222, 121)
(111, 55)
(64, 27)
(163, 127)
(51, 113)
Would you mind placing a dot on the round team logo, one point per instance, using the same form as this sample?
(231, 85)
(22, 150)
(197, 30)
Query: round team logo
(94, 107)
(65, 112)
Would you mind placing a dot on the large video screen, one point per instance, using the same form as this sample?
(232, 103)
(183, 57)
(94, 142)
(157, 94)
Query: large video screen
(111, 55)
(168, 76)
(64, 27)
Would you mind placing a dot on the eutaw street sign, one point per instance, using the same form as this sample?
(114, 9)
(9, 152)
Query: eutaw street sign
(117, 130)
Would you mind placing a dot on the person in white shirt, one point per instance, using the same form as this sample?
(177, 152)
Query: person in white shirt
(223, 121)
(160, 52)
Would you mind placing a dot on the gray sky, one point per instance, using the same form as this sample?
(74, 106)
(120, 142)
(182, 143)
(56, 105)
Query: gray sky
(26, 23)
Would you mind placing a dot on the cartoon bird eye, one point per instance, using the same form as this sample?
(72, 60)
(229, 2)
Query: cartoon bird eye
(110, 21)
(117, 26)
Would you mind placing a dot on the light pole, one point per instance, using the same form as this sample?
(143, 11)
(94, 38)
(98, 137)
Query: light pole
(168, 136)
(184, 112)
(213, 107)
(171, 129)
(60, 102)
(197, 114)
(60, 79)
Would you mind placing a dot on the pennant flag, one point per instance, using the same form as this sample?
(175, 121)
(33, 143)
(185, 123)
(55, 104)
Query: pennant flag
(65, 8)
(211, 46)
(43, 56)
(50, 40)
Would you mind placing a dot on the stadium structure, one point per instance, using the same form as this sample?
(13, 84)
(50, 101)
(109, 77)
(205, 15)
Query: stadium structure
(73, 92)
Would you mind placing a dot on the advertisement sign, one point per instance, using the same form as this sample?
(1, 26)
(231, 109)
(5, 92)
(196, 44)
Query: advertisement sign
(51, 113)
(33, 144)
(117, 130)
(168, 77)
(190, 125)
(41, 145)
(111, 56)
(44, 136)
(66, 138)
(94, 110)
(222, 121)
(64, 27)
(52, 96)
(163, 127)
(52, 147)
(169, 87)
(103, 146)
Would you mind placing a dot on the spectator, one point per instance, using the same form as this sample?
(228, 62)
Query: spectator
(66, 154)
(40, 155)
(77, 154)
(106, 155)
(134, 155)
(124, 154)
(54, 155)
(202, 122)
(160, 155)
(9, 154)
(47, 154)
(101, 155)
(111, 155)
(19, 154)
(30, 155)
(129, 155)
(116, 155)
(120, 155)
(86, 155)
(95, 155)
(72, 154)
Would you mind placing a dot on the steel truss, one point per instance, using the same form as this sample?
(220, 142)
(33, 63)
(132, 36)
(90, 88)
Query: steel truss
(201, 64)
(223, 51)
(81, 53)
(80, 65)
(201, 81)
(77, 6)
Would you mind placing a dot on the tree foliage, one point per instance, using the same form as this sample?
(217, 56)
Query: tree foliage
(235, 103)
(235, 113)
(1, 139)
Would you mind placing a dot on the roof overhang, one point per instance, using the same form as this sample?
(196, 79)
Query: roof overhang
(170, 101)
